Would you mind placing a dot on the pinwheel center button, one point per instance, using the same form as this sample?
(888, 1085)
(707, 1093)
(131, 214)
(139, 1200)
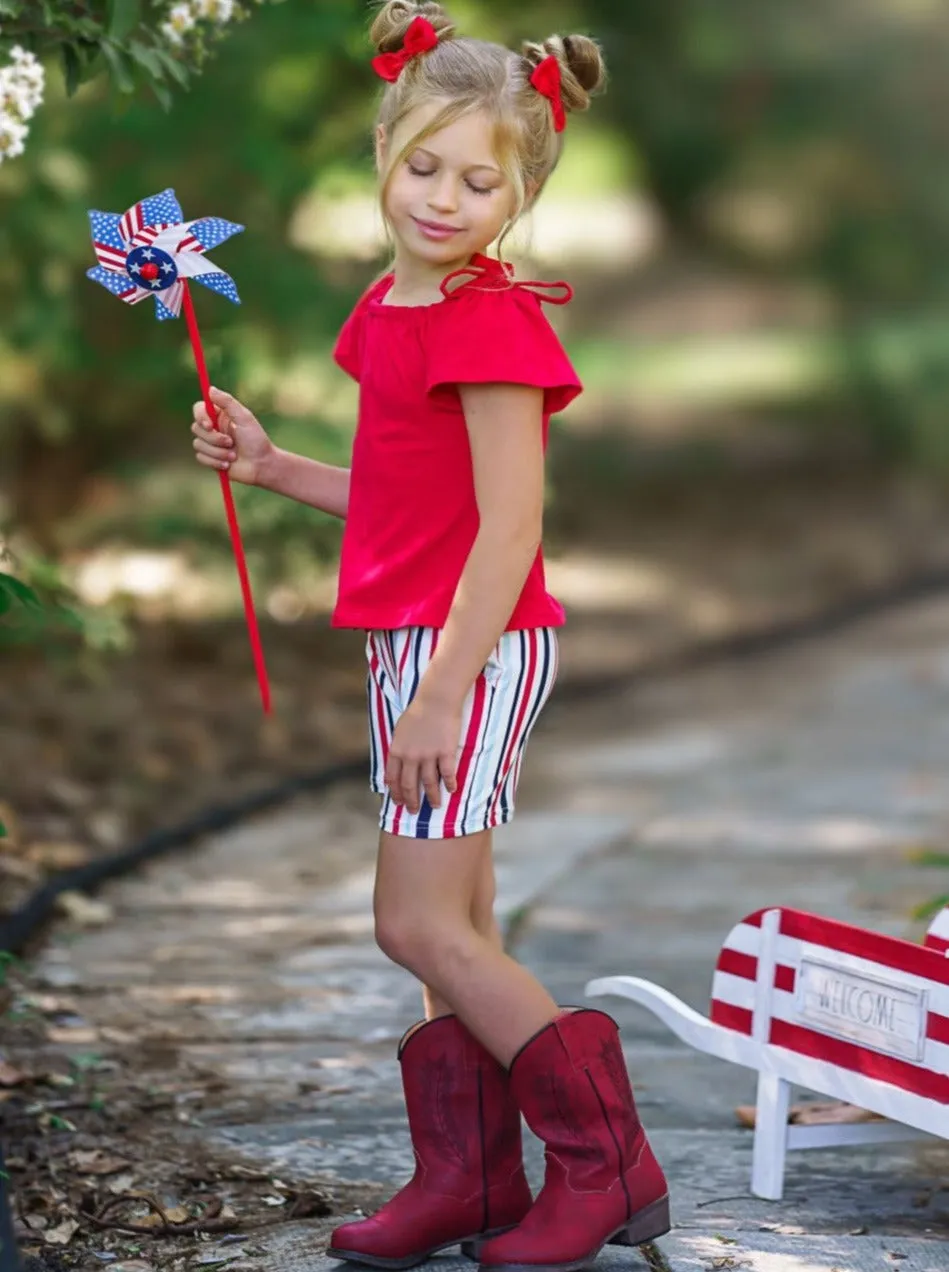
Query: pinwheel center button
(151, 268)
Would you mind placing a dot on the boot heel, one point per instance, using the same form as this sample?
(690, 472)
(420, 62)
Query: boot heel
(472, 1249)
(648, 1224)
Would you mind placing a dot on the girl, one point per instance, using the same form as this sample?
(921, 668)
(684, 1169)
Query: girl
(459, 373)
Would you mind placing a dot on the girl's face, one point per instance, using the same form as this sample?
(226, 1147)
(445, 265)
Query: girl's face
(448, 198)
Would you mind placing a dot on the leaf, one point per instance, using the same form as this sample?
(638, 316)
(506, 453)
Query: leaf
(13, 591)
(123, 18)
(173, 67)
(84, 910)
(163, 94)
(930, 857)
(11, 1076)
(929, 908)
(62, 1234)
(147, 57)
(119, 66)
(95, 1161)
(57, 854)
(72, 68)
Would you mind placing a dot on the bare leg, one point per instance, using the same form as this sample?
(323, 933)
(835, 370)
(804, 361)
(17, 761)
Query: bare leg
(425, 891)
(482, 919)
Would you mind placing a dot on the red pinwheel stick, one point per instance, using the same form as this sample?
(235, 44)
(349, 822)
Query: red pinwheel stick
(257, 648)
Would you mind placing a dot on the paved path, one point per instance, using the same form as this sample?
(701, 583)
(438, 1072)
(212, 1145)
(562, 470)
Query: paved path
(806, 778)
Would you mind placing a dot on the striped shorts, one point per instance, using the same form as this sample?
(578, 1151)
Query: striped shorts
(499, 713)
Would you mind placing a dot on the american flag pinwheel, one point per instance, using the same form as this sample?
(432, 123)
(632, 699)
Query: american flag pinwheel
(151, 251)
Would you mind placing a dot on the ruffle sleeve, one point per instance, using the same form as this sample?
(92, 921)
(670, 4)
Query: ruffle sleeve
(500, 335)
(348, 350)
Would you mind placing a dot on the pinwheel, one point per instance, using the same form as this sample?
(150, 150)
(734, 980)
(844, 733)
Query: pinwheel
(151, 251)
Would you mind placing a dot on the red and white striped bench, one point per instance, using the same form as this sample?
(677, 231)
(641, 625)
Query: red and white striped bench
(812, 1002)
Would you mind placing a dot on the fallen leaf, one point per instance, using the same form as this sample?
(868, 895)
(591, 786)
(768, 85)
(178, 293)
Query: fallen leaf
(18, 868)
(95, 1161)
(813, 1113)
(52, 1004)
(108, 828)
(62, 1234)
(86, 911)
(57, 855)
(68, 793)
(174, 1214)
(11, 1076)
(120, 1184)
(80, 1033)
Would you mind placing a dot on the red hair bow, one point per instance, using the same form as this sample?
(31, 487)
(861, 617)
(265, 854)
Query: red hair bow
(546, 78)
(420, 37)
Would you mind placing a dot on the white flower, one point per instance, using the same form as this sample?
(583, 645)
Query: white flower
(16, 99)
(12, 137)
(21, 91)
(219, 11)
(181, 18)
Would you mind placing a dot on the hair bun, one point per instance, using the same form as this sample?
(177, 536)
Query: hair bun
(582, 67)
(395, 17)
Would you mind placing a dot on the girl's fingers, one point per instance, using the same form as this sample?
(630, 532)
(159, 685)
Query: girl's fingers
(393, 778)
(431, 783)
(408, 785)
(446, 767)
(211, 436)
(223, 427)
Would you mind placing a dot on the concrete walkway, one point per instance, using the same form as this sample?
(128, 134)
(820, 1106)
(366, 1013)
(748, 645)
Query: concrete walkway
(648, 826)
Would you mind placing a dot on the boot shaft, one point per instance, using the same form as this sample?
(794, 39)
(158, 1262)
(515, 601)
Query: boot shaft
(572, 1085)
(462, 1113)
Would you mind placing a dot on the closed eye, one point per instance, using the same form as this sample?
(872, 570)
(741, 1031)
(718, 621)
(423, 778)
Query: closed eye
(430, 172)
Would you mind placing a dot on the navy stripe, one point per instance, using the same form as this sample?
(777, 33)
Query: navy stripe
(416, 659)
(390, 716)
(531, 714)
(423, 819)
(510, 725)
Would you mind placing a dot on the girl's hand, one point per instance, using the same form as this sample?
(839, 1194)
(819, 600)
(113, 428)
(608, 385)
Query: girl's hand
(423, 751)
(239, 446)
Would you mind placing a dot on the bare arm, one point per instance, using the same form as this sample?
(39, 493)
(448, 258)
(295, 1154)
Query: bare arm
(307, 480)
(504, 427)
(240, 447)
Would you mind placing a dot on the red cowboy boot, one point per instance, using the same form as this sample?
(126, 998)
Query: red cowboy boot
(469, 1179)
(602, 1184)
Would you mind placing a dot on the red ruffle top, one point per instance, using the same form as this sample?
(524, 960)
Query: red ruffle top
(412, 515)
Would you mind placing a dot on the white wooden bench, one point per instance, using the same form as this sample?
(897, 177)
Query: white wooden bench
(812, 1002)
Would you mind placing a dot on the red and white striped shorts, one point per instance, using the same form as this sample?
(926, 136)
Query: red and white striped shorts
(499, 713)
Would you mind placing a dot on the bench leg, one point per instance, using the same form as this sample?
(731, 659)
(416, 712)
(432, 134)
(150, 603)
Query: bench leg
(771, 1137)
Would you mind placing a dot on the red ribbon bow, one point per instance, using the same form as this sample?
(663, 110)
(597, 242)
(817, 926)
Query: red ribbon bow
(420, 37)
(546, 78)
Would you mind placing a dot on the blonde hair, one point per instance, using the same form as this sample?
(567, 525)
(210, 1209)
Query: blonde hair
(478, 75)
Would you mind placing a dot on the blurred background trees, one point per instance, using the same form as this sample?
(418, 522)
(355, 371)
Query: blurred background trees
(754, 216)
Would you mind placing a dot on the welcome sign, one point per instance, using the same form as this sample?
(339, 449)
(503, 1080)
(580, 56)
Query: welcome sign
(887, 1015)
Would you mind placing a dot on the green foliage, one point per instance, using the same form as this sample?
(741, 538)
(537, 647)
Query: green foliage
(42, 612)
(828, 119)
(125, 39)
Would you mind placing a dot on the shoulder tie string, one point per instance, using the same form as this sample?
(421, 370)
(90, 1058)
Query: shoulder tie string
(554, 293)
